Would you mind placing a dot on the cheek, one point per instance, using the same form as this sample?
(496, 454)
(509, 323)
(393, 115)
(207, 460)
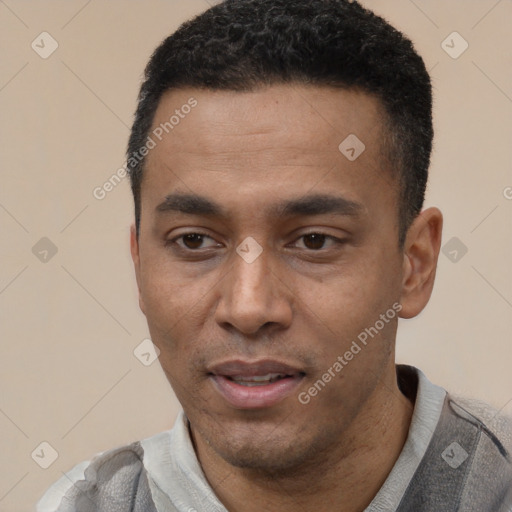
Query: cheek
(175, 317)
(350, 301)
(164, 302)
(351, 296)
(177, 307)
(375, 280)
(167, 299)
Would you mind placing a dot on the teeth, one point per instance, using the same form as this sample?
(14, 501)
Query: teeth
(257, 380)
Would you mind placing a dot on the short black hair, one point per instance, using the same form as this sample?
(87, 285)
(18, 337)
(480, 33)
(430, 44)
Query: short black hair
(240, 45)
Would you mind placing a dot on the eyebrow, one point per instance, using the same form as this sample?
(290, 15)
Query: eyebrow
(316, 204)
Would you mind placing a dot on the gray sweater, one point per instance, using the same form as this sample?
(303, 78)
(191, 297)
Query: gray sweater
(457, 458)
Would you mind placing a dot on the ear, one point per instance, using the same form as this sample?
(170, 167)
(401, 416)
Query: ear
(421, 250)
(134, 249)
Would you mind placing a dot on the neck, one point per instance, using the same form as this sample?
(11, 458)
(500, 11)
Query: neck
(346, 479)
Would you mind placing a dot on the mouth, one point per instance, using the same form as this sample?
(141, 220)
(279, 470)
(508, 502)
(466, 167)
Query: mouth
(258, 380)
(262, 384)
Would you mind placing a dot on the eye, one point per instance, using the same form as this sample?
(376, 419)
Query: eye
(195, 241)
(191, 241)
(316, 241)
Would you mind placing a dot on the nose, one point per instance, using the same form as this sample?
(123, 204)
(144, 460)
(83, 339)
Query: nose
(254, 296)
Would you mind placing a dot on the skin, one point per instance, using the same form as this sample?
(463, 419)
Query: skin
(302, 301)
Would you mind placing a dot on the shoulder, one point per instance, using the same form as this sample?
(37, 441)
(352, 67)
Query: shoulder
(116, 475)
(495, 423)
(488, 479)
(467, 464)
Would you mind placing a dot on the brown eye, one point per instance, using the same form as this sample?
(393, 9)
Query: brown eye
(193, 240)
(314, 240)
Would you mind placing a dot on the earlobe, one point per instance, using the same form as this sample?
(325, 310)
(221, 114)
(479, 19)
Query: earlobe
(421, 251)
(135, 252)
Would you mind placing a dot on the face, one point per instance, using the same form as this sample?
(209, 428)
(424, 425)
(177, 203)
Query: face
(264, 253)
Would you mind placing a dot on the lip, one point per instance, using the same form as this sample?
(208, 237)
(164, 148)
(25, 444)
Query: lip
(254, 397)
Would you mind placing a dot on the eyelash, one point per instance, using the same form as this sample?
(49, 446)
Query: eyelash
(170, 242)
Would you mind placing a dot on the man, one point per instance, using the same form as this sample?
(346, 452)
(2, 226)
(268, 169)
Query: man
(278, 161)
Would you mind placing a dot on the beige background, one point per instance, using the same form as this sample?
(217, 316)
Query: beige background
(69, 326)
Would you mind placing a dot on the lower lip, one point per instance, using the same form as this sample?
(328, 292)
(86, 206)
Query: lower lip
(255, 397)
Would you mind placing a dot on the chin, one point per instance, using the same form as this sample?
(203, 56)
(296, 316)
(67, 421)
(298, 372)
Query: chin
(273, 450)
(268, 458)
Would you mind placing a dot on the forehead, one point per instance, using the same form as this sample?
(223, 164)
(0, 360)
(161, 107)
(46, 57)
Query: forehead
(280, 135)
(291, 114)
